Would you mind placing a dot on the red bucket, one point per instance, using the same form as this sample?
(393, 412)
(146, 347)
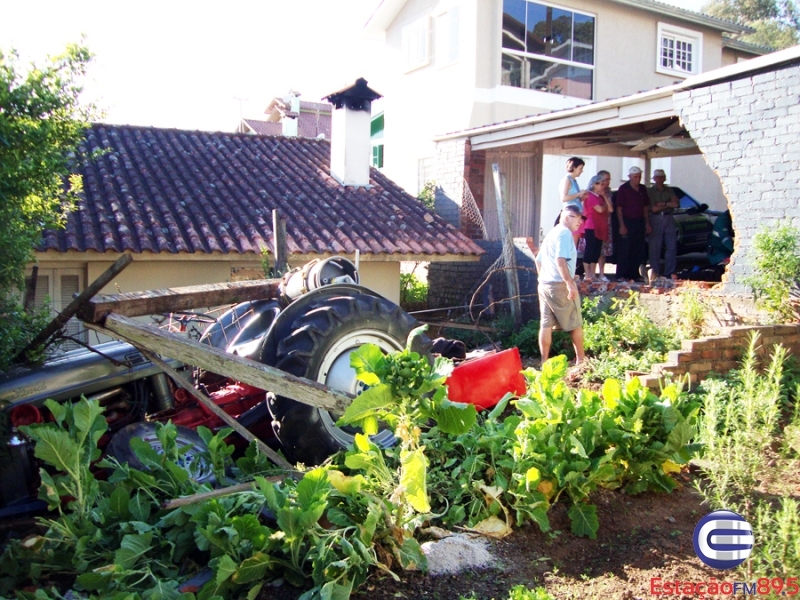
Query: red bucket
(484, 381)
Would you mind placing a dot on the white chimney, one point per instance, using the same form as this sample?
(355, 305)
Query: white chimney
(351, 151)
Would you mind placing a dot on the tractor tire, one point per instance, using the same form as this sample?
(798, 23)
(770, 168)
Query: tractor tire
(318, 347)
(193, 461)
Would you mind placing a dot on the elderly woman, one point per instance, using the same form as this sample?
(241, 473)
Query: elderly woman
(596, 208)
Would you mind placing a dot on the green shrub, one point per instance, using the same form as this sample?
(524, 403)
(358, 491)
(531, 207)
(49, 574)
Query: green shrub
(412, 289)
(738, 429)
(776, 260)
(623, 338)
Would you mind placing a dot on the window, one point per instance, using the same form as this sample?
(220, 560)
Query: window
(60, 285)
(447, 38)
(416, 44)
(679, 50)
(547, 48)
(377, 156)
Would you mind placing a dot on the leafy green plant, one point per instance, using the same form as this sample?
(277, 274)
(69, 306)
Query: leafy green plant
(405, 391)
(691, 315)
(520, 592)
(42, 126)
(623, 338)
(738, 426)
(775, 256)
(560, 443)
(738, 429)
(427, 195)
(412, 289)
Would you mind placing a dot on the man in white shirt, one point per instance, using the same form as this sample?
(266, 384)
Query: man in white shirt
(559, 301)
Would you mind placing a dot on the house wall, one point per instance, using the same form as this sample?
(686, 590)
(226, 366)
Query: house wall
(380, 276)
(749, 132)
(434, 100)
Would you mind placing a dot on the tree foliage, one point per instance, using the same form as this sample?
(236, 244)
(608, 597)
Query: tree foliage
(776, 22)
(41, 125)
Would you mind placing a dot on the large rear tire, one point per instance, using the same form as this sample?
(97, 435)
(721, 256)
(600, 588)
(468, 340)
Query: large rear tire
(318, 347)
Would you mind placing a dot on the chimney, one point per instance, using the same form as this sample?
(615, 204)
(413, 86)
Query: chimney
(290, 120)
(351, 152)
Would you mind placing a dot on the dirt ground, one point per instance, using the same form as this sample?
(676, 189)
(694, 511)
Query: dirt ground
(640, 538)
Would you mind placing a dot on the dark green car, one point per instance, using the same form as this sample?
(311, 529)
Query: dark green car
(695, 222)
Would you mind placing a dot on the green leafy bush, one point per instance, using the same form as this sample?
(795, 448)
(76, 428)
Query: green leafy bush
(560, 443)
(742, 418)
(623, 338)
(412, 289)
(775, 256)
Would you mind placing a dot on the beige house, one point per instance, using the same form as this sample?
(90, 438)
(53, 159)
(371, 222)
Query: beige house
(196, 207)
(463, 64)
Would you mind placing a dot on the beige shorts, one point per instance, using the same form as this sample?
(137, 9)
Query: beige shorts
(556, 310)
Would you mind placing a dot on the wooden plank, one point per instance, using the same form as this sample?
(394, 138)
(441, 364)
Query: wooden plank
(220, 362)
(456, 325)
(151, 302)
(73, 307)
(281, 253)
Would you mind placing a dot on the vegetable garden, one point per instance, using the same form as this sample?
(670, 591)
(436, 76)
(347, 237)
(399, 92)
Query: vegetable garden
(543, 466)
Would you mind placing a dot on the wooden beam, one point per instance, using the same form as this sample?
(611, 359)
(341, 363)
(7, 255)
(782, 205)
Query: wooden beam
(279, 234)
(217, 361)
(151, 302)
(74, 307)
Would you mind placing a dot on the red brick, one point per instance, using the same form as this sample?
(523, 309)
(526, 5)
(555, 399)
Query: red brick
(700, 366)
(739, 331)
(723, 366)
(696, 345)
(711, 354)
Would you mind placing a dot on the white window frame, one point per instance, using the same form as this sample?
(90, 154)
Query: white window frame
(679, 35)
(58, 304)
(541, 57)
(416, 44)
(447, 38)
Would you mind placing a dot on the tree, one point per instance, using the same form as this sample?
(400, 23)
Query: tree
(776, 22)
(42, 122)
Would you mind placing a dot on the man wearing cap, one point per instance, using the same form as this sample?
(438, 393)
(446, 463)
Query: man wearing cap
(663, 203)
(632, 205)
(559, 302)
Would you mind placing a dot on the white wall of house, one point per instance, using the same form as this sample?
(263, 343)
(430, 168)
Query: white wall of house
(442, 92)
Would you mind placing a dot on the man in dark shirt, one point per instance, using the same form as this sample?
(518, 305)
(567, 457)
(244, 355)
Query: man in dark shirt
(632, 206)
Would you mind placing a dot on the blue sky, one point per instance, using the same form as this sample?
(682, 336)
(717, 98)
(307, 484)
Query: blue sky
(193, 65)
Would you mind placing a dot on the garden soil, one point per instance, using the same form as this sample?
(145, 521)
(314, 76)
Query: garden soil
(641, 538)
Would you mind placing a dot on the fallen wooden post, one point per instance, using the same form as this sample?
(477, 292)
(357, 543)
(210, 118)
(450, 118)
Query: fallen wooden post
(152, 302)
(218, 361)
(234, 489)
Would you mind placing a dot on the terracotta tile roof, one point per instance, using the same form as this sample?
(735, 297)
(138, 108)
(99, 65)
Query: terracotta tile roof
(264, 127)
(171, 191)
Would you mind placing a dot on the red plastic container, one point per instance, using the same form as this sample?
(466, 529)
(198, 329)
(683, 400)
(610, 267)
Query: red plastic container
(484, 381)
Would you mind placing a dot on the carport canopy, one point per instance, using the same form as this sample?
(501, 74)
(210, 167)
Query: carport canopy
(643, 125)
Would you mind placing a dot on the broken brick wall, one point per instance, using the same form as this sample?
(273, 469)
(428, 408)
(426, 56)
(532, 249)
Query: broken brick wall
(749, 132)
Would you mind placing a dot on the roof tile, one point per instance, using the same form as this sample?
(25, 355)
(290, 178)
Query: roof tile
(173, 191)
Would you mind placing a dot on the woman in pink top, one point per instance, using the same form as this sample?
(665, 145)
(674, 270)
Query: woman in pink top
(595, 208)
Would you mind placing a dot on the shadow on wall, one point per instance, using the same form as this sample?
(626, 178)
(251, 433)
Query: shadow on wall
(457, 283)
